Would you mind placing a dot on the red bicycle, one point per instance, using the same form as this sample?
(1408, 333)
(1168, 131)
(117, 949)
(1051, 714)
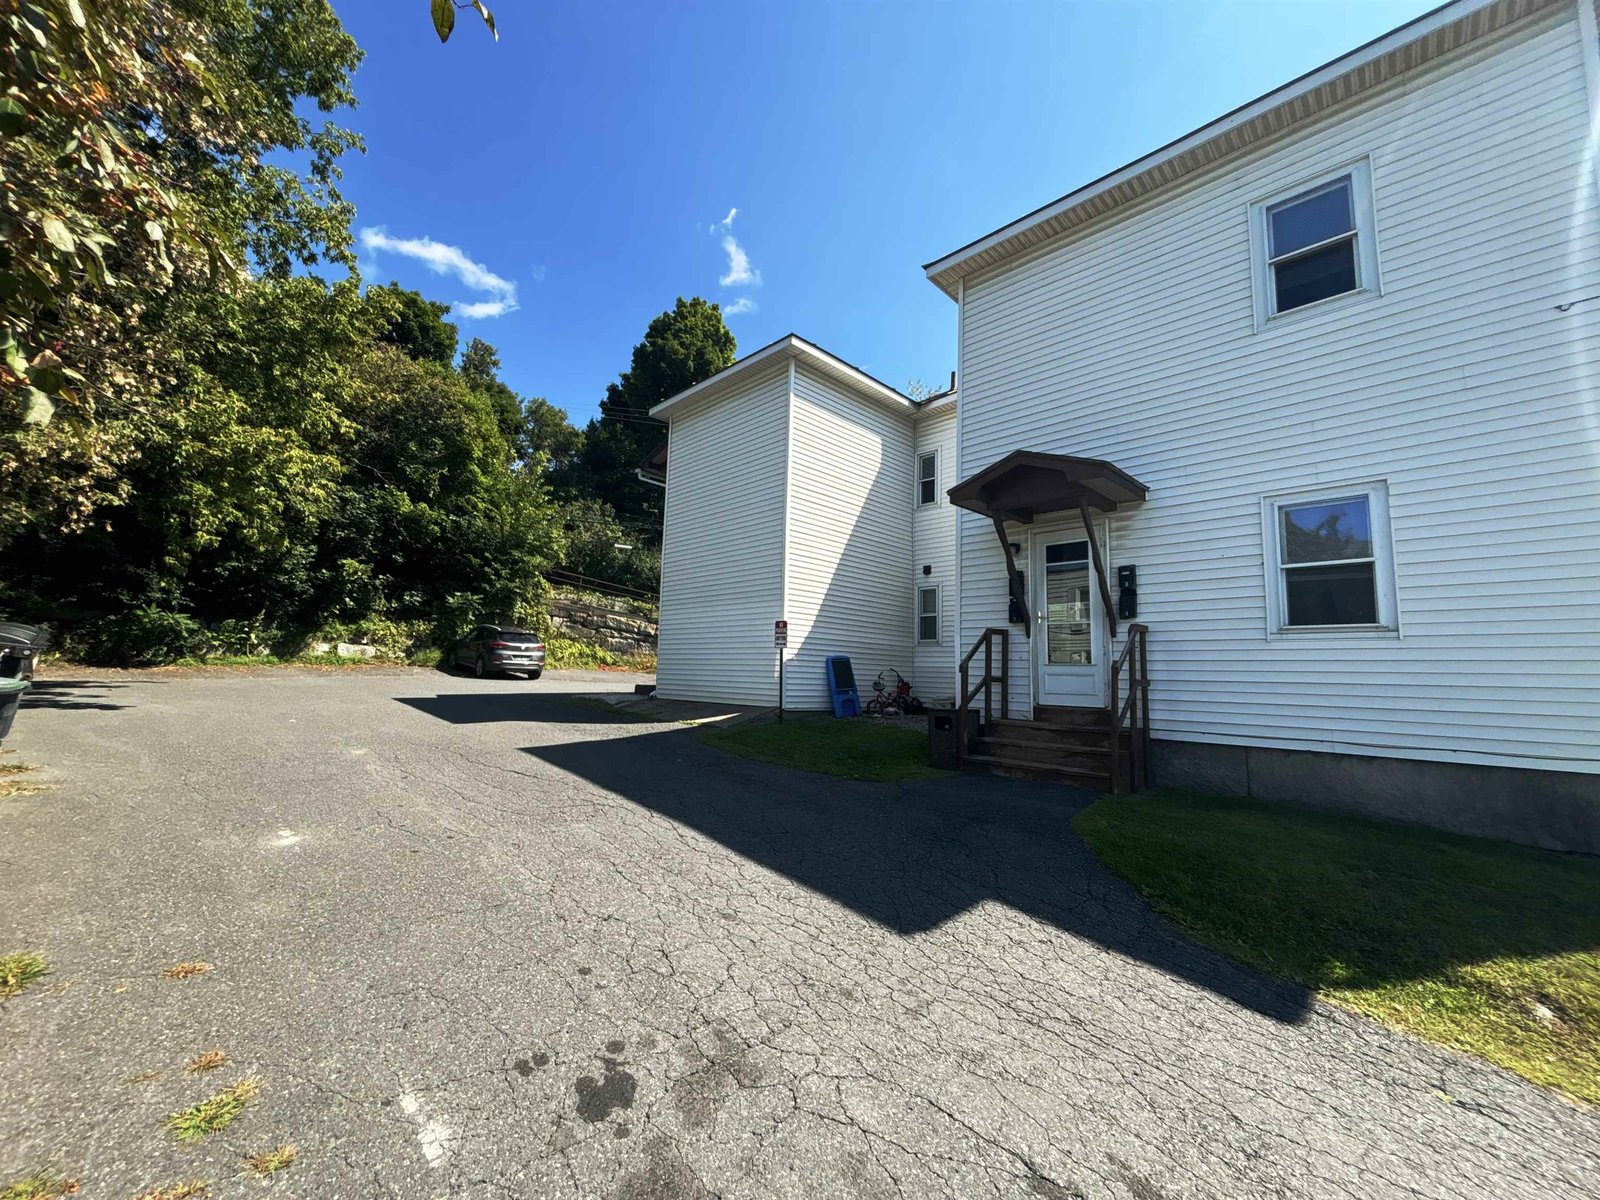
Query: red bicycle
(891, 699)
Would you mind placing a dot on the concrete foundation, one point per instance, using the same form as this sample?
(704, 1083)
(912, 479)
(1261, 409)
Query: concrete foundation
(1558, 810)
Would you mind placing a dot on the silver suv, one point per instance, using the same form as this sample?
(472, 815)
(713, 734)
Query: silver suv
(501, 649)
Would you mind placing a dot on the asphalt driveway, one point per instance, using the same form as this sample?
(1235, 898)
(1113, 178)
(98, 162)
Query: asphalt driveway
(481, 939)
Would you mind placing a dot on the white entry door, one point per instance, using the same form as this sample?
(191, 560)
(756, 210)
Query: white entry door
(1069, 622)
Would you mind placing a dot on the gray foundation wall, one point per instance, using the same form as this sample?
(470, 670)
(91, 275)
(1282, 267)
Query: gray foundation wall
(1558, 810)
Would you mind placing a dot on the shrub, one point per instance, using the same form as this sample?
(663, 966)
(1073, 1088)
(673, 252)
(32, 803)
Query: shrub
(141, 637)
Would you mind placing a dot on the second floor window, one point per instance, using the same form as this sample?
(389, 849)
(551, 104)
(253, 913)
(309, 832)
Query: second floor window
(927, 478)
(1315, 244)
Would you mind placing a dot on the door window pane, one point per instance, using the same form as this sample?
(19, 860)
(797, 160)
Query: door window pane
(1067, 605)
(1326, 532)
(1318, 275)
(1334, 594)
(1307, 220)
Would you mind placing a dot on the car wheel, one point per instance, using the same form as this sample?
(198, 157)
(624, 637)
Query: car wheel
(480, 668)
(447, 661)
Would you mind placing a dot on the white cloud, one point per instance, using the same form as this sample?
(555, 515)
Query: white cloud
(727, 221)
(443, 259)
(742, 305)
(739, 269)
(483, 308)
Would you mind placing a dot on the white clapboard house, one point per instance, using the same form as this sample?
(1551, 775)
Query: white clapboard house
(1274, 468)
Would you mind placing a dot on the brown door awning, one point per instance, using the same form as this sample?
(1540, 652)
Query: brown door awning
(1025, 484)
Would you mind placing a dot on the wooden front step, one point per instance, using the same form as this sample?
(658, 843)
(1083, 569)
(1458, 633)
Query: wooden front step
(1080, 718)
(1050, 735)
(1098, 781)
(1064, 754)
(1069, 745)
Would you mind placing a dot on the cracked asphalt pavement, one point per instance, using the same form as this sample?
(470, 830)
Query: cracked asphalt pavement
(479, 938)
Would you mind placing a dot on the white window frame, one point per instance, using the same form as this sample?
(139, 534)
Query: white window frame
(938, 613)
(917, 484)
(1368, 277)
(1376, 494)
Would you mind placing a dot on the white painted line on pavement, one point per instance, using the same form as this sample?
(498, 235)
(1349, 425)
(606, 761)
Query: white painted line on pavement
(434, 1136)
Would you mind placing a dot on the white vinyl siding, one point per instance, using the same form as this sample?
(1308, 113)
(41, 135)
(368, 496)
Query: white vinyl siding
(1461, 385)
(849, 538)
(722, 547)
(933, 669)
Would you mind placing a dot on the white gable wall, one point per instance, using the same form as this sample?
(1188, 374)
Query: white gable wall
(722, 545)
(1461, 386)
(934, 546)
(849, 537)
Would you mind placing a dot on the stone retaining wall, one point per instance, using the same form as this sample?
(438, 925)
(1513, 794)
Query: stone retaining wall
(618, 632)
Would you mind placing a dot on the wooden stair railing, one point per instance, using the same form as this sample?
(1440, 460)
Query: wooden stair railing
(1130, 710)
(986, 684)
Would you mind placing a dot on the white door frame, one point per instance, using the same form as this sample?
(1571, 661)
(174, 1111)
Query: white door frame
(1098, 691)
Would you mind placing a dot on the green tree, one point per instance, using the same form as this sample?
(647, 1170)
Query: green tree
(415, 324)
(234, 472)
(433, 523)
(538, 432)
(682, 346)
(596, 545)
(480, 367)
(144, 151)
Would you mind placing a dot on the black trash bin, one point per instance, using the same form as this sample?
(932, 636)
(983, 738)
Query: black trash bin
(942, 739)
(20, 648)
(10, 696)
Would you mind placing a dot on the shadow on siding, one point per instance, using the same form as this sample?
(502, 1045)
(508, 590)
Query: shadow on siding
(867, 609)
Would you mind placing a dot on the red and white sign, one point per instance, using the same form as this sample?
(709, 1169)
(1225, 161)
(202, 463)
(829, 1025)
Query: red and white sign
(780, 634)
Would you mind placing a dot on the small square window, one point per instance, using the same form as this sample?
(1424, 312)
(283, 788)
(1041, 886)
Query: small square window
(1315, 244)
(1330, 562)
(928, 614)
(927, 478)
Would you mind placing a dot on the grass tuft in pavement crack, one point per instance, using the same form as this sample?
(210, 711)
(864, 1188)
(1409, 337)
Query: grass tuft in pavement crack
(186, 970)
(41, 1185)
(215, 1114)
(18, 970)
(211, 1060)
(269, 1161)
(195, 1189)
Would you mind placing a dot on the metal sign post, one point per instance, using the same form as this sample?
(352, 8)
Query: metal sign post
(780, 641)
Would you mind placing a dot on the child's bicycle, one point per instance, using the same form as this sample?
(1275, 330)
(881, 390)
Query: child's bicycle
(891, 699)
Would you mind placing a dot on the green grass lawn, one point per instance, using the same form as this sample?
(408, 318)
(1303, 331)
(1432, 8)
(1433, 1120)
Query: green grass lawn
(856, 748)
(1486, 947)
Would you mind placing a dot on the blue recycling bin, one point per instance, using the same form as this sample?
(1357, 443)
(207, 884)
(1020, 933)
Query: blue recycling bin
(842, 686)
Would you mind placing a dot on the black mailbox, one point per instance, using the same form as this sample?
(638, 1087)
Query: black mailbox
(1017, 614)
(1127, 592)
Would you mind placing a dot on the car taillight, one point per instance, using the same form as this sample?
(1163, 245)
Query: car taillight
(499, 645)
(537, 646)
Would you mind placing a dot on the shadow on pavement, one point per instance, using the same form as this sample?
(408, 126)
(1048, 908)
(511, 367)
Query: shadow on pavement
(906, 856)
(72, 693)
(477, 708)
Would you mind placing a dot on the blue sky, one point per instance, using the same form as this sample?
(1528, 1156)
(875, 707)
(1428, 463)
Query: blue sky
(576, 176)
